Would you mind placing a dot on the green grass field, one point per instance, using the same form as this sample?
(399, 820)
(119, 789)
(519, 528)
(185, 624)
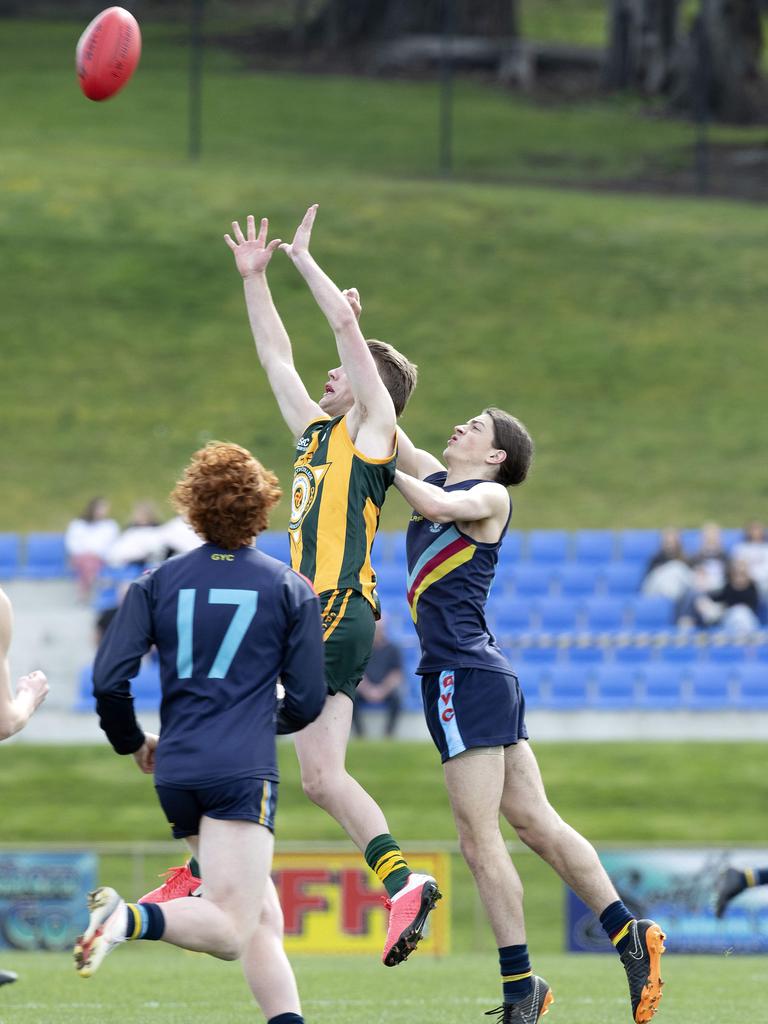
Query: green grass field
(167, 986)
(627, 331)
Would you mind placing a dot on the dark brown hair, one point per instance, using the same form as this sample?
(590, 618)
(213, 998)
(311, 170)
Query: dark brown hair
(398, 373)
(510, 435)
(226, 494)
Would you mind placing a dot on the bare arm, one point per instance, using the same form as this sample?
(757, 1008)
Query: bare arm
(415, 461)
(374, 405)
(481, 502)
(273, 346)
(31, 689)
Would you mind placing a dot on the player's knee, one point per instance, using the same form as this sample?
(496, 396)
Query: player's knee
(272, 920)
(538, 831)
(317, 786)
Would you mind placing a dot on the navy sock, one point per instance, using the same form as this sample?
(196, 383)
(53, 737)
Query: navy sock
(145, 921)
(616, 920)
(761, 876)
(286, 1018)
(516, 974)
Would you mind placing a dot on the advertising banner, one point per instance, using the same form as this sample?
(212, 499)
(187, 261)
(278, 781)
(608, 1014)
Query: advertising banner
(332, 903)
(677, 889)
(43, 898)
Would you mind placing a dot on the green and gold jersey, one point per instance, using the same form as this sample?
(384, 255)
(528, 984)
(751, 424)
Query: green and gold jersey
(335, 507)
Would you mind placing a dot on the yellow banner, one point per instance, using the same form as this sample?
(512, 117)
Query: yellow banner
(332, 903)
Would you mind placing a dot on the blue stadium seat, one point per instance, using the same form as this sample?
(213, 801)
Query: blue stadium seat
(533, 580)
(531, 686)
(622, 579)
(604, 614)
(578, 580)
(731, 536)
(391, 579)
(726, 654)
(46, 557)
(146, 686)
(412, 684)
(85, 700)
(753, 685)
(590, 654)
(662, 687)
(650, 613)
(568, 687)
(10, 555)
(639, 545)
(529, 674)
(537, 655)
(633, 654)
(389, 546)
(557, 614)
(690, 538)
(616, 687)
(594, 546)
(709, 687)
(548, 546)
(679, 654)
(274, 543)
(512, 545)
(510, 614)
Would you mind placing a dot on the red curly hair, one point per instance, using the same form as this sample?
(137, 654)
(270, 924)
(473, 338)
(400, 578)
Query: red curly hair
(226, 495)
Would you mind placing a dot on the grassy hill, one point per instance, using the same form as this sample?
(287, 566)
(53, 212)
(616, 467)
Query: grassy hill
(628, 332)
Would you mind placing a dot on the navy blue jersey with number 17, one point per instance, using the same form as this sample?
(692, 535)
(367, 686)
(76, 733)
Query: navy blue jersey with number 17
(226, 625)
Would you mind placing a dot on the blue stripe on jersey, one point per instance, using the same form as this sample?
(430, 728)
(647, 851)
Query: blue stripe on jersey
(184, 616)
(447, 714)
(445, 538)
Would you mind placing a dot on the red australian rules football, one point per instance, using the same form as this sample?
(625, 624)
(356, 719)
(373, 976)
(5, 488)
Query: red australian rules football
(107, 53)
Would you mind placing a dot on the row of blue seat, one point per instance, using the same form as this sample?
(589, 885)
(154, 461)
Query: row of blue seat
(555, 614)
(43, 555)
(568, 687)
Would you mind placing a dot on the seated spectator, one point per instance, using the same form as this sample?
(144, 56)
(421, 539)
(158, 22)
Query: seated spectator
(88, 540)
(178, 538)
(735, 606)
(668, 573)
(382, 682)
(753, 551)
(710, 562)
(141, 542)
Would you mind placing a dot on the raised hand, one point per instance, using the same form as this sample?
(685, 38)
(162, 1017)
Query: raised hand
(36, 685)
(300, 244)
(352, 295)
(252, 254)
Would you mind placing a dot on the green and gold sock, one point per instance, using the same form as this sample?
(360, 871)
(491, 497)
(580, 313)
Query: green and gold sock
(383, 857)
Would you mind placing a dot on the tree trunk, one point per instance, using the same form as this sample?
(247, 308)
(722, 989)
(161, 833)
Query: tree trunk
(642, 41)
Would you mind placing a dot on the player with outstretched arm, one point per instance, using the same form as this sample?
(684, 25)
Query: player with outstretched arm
(227, 621)
(475, 708)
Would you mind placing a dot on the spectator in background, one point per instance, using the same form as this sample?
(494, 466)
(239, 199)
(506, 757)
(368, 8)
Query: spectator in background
(734, 606)
(753, 551)
(141, 542)
(668, 573)
(88, 540)
(178, 538)
(710, 562)
(382, 683)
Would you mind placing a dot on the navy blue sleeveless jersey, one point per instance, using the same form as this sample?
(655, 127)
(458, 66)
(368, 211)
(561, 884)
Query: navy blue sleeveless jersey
(449, 577)
(226, 625)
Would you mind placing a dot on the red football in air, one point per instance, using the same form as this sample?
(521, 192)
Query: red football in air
(107, 53)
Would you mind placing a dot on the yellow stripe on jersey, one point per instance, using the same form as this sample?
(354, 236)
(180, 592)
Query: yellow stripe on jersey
(332, 517)
(371, 517)
(465, 555)
(340, 616)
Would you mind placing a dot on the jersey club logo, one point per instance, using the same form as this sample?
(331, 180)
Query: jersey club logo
(306, 480)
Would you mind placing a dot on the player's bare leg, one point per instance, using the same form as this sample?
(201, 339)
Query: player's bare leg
(322, 748)
(640, 944)
(322, 752)
(475, 782)
(265, 964)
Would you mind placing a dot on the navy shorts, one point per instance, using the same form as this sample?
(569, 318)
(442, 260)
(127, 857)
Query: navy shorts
(472, 707)
(235, 800)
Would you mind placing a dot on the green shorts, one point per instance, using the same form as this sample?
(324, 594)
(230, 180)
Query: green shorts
(348, 628)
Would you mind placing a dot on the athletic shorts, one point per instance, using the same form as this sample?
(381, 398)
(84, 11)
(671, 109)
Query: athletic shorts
(348, 628)
(472, 707)
(235, 800)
